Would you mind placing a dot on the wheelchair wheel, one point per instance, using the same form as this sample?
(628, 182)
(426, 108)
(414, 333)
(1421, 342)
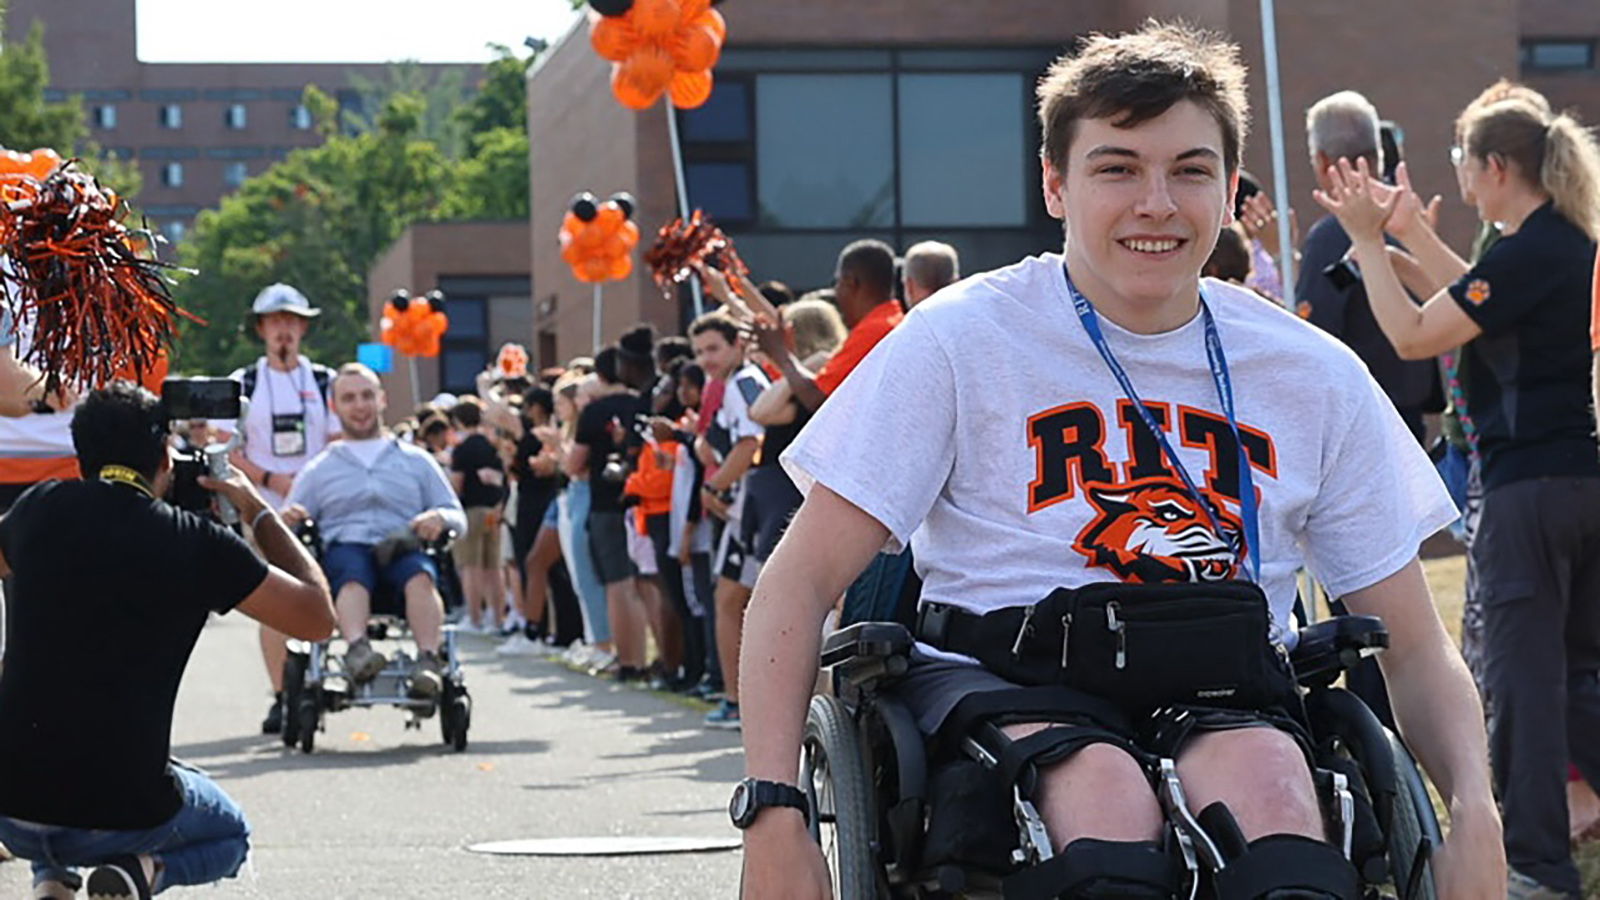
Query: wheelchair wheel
(294, 688)
(309, 713)
(1413, 823)
(834, 778)
(455, 716)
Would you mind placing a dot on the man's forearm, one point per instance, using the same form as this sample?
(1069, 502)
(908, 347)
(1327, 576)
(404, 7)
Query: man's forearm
(801, 382)
(735, 465)
(280, 547)
(777, 669)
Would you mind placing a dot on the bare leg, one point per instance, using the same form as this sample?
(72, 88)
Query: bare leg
(1098, 792)
(732, 598)
(663, 623)
(492, 581)
(471, 587)
(274, 650)
(1262, 776)
(542, 558)
(627, 622)
(354, 606)
(425, 612)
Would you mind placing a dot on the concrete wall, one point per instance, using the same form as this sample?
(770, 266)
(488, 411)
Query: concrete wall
(418, 261)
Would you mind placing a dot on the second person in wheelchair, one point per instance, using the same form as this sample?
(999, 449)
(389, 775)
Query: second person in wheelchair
(373, 496)
(1103, 425)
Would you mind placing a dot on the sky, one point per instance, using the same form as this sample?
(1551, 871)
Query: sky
(342, 30)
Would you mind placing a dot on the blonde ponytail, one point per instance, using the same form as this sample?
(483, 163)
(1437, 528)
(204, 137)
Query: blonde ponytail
(1571, 173)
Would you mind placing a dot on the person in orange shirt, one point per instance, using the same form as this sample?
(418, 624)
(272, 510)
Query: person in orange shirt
(864, 291)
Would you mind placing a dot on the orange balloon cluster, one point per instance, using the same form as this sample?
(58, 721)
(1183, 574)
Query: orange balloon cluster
(414, 326)
(597, 239)
(657, 47)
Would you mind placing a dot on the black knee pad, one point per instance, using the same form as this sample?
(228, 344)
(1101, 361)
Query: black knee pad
(1089, 869)
(1278, 866)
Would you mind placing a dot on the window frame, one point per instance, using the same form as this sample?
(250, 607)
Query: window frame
(1528, 49)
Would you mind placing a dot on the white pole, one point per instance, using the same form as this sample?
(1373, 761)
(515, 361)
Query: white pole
(683, 193)
(1280, 164)
(599, 298)
(416, 388)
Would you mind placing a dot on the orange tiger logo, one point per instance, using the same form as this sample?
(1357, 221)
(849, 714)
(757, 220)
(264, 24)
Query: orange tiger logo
(1152, 531)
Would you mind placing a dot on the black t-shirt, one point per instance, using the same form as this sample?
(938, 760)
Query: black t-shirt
(473, 453)
(110, 591)
(534, 492)
(594, 432)
(777, 438)
(1526, 377)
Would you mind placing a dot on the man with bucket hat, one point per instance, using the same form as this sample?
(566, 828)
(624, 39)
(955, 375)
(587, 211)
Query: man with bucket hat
(289, 422)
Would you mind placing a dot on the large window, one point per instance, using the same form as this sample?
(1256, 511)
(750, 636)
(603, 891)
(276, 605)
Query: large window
(464, 349)
(800, 151)
(825, 151)
(1558, 54)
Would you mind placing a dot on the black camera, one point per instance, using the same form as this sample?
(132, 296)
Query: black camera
(201, 398)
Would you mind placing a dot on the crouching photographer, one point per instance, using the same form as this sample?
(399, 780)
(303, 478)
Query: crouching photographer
(99, 649)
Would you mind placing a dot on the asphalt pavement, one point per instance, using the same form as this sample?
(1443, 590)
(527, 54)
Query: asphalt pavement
(380, 811)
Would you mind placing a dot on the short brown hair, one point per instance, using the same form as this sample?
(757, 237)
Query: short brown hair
(717, 321)
(1135, 77)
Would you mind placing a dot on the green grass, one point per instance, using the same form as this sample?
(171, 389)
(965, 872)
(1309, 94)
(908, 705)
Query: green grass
(1447, 579)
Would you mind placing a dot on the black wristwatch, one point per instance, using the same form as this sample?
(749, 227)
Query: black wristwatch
(751, 796)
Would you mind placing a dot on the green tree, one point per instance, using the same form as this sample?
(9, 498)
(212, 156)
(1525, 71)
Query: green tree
(31, 122)
(318, 220)
(492, 182)
(442, 91)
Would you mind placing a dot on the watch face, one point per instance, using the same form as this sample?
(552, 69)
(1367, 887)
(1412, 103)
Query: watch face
(742, 807)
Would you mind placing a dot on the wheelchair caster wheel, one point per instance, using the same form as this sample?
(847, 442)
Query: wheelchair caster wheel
(310, 715)
(294, 690)
(455, 717)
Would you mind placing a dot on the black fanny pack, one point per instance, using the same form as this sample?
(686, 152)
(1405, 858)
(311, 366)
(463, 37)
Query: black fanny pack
(1141, 646)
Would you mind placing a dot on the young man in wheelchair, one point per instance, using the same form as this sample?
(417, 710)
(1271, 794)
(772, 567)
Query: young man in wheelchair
(372, 496)
(1068, 426)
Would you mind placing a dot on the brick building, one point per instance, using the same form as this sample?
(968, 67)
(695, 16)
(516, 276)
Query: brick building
(197, 130)
(839, 119)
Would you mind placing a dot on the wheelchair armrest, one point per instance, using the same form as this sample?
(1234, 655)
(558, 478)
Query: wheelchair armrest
(1328, 648)
(866, 651)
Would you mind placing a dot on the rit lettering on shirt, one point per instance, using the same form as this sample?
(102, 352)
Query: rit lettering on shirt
(1147, 528)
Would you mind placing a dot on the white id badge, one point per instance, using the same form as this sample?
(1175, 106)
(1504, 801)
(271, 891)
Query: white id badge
(288, 435)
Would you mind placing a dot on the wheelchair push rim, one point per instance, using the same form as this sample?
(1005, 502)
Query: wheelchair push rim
(840, 818)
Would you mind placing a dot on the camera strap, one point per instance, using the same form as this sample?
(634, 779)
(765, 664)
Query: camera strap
(124, 475)
(1219, 375)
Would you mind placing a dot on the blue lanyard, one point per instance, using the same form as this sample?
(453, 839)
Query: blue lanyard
(1219, 374)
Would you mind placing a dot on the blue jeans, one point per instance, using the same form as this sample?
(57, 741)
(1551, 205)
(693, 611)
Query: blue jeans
(580, 561)
(206, 840)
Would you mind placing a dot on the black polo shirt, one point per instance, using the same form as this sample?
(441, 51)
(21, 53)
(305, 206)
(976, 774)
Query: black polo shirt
(1527, 376)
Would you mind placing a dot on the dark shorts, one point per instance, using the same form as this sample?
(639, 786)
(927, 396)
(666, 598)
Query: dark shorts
(770, 501)
(608, 543)
(344, 563)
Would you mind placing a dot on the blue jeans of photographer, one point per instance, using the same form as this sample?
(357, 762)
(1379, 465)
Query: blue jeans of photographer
(206, 841)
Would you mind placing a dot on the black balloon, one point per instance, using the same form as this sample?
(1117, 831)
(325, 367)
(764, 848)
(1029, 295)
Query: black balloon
(585, 207)
(400, 299)
(435, 299)
(611, 7)
(624, 200)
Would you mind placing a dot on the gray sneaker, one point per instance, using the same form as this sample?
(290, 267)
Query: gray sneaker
(362, 663)
(1522, 887)
(427, 677)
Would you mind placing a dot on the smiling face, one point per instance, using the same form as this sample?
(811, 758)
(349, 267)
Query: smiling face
(359, 402)
(1142, 207)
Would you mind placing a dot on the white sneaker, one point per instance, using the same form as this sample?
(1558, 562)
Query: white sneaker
(518, 645)
(575, 654)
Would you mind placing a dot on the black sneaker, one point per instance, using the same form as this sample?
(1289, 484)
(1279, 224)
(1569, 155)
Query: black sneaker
(121, 878)
(273, 723)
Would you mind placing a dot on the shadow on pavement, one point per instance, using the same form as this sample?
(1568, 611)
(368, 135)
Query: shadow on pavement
(274, 757)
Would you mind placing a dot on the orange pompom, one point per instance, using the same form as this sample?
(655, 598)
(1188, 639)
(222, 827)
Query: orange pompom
(695, 49)
(691, 89)
(613, 37)
(655, 18)
(713, 20)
